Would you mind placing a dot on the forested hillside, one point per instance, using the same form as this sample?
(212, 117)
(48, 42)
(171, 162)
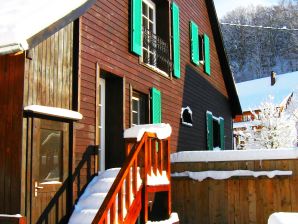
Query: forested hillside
(256, 50)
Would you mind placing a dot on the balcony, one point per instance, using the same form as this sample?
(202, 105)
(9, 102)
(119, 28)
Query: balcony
(156, 53)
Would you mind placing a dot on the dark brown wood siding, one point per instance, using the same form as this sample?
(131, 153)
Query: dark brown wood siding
(11, 106)
(48, 82)
(48, 75)
(105, 38)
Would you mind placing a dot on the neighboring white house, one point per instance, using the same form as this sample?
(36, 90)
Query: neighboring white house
(255, 92)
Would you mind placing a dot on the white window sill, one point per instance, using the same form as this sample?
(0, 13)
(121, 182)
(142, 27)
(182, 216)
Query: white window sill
(155, 69)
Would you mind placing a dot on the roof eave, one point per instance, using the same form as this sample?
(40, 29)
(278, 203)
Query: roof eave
(42, 35)
(12, 48)
(224, 63)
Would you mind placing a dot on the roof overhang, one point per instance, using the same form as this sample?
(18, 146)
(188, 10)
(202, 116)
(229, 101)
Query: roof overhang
(224, 63)
(26, 23)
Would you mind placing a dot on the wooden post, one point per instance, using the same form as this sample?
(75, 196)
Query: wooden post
(160, 156)
(113, 214)
(120, 206)
(149, 153)
(135, 176)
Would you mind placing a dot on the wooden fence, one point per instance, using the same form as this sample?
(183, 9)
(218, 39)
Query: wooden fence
(237, 200)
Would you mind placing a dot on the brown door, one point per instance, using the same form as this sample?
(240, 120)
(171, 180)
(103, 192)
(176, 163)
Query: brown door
(50, 153)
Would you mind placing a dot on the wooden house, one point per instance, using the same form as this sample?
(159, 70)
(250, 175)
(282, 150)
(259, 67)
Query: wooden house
(71, 86)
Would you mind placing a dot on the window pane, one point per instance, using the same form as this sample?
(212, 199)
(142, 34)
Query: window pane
(135, 105)
(151, 26)
(216, 134)
(151, 14)
(145, 9)
(152, 59)
(145, 23)
(135, 118)
(145, 56)
(50, 164)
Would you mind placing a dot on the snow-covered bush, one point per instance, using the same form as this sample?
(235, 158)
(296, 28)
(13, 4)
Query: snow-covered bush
(276, 128)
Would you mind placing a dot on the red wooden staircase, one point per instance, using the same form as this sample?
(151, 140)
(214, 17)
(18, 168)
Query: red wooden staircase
(127, 200)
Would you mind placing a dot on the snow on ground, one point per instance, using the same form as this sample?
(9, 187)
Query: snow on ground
(94, 195)
(159, 179)
(96, 191)
(234, 155)
(173, 219)
(222, 175)
(283, 218)
(54, 111)
(284, 86)
(161, 130)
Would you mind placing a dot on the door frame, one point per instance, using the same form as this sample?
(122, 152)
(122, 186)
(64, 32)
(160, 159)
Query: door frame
(101, 147)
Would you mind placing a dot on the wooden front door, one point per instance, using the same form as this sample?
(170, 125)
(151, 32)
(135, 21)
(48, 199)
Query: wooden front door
(50, 155)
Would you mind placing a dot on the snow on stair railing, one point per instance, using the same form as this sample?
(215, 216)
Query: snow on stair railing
(143, 157)
(4, 218)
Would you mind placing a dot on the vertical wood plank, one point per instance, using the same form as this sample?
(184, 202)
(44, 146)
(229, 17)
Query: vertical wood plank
(120, 206)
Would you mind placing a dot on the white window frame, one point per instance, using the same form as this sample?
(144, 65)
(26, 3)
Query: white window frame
(136, 112)
(101, 126)
(152, 5)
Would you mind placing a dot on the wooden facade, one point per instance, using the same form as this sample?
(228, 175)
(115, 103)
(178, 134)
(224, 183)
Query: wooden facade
(105, 39)
(237, 200)
(11, 82)
(69, 69)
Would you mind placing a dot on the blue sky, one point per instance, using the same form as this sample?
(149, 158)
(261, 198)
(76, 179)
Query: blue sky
(224, 6)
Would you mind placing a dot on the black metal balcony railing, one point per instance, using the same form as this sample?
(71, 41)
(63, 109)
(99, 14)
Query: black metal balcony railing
(156, 51)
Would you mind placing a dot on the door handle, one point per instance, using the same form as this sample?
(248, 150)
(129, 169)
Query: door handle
(36, 187)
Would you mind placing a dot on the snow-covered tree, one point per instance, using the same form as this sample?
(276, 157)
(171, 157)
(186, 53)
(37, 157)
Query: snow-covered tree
(255, 51)
(274, 128)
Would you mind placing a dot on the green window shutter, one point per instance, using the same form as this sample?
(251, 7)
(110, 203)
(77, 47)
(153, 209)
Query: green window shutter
(222, 133)
(156, 105)
(207, 54)
(136, 27)
(194, 38)
(209, 119)
(176, 40)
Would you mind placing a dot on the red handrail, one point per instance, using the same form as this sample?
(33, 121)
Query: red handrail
(139, 154)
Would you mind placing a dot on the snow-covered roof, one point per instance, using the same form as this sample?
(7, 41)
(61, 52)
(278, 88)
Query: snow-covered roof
(20, 20)
(54, 112)
(252, 93)
(161, 130)
(246, 124)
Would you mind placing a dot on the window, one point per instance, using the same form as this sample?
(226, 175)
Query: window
(215, 132)
(135, 111)
(139, 108)
(149, 29)
(155, 34)
(201, 49)
(246, 118)
(186, 116)
(51, 147)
